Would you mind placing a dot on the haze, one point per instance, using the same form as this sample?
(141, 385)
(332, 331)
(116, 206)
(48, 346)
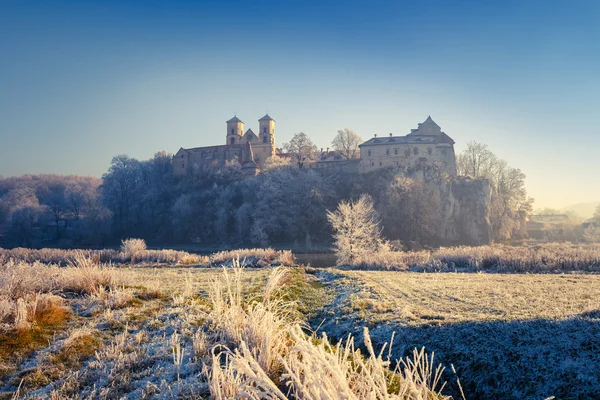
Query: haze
(81, 83)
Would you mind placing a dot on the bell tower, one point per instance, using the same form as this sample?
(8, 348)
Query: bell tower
(235, 130)
(267, 130)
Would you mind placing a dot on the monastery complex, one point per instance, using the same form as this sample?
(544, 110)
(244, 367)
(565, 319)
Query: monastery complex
(424, 147)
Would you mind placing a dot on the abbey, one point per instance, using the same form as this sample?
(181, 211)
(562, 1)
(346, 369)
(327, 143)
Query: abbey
(425, 146)
(248, 148)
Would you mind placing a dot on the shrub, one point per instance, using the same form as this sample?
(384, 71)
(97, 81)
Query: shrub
(132, 247)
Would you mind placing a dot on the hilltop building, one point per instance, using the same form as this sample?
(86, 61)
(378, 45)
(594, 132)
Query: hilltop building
(248, 148)
(426, 145)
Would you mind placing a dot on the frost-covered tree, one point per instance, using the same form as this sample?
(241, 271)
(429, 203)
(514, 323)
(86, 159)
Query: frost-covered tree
(346, 142)
(592, 234)
(357, 230)
(476, 161)
(119, 190)
(510, 203)
(301, 149)
(596, 216)
(275, 162)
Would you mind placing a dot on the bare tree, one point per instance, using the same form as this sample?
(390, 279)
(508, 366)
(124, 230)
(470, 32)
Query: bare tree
(346, 142)
(510, 203)
(302, 149)
(357, 229)
(475, 161)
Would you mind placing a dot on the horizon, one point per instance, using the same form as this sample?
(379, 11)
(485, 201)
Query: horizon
(87, 81)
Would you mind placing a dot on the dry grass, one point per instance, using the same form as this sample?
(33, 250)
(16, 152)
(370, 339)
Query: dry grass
(544, 258)
(268, 355)
(253, 257)
(65, 257)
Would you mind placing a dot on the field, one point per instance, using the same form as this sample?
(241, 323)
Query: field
(508, 335)
(83, 329)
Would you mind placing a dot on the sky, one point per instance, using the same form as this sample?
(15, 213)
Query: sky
(83, 81)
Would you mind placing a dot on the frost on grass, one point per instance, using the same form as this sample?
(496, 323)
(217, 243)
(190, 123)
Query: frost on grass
(241, 338)
(508, 336)
(543, 258)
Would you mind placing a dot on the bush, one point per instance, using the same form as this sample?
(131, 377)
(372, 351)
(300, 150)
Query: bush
(133, 247)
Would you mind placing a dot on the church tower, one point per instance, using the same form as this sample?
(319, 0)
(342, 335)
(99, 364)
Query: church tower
(235, 130)
(267, 130)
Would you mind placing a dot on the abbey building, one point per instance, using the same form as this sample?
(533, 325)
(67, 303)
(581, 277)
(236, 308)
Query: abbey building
(247, 148)
(424, 147)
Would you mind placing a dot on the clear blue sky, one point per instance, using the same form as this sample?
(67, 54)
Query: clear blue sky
(83, 81)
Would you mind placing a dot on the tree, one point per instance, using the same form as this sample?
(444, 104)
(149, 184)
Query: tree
(275, 162)
(510, 204)
(596, 216)
(357, 229)
(592, 234)
(346, 142)
(25, 220)
(302, 149)
(119, 186)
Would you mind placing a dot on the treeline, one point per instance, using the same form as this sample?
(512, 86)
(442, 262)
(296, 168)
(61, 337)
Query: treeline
(43, 208)
(284, 205)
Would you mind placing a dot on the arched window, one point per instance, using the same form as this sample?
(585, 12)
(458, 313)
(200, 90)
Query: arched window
(232, 140)
(264, 139)
(232, 131)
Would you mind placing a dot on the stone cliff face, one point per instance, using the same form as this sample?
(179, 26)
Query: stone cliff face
(465, 208)
(465, 205)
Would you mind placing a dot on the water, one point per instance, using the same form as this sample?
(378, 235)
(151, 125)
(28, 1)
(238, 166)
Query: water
(318, 260)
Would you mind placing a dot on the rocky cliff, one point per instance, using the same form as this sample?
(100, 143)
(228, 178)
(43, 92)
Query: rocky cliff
(465, 208)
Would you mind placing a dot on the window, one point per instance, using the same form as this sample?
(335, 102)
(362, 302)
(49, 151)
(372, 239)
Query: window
(380, 163)
(387, 152)
(264, 139)
(182, 164)
(232, 131)
(429, 150)
(232, 140)
(444, 152)
(369, 153)
(249, 137)
(395, 152)
(264, 129)
(372, 163)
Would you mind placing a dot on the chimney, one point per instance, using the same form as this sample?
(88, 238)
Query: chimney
(391, 134)
(321, 149)
(375, 135)
(328, 150)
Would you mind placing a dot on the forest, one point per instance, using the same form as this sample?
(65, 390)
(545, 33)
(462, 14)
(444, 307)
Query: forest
(284, 205)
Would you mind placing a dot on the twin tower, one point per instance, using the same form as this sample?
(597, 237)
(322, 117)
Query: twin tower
(266, 135)
(261, 146)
